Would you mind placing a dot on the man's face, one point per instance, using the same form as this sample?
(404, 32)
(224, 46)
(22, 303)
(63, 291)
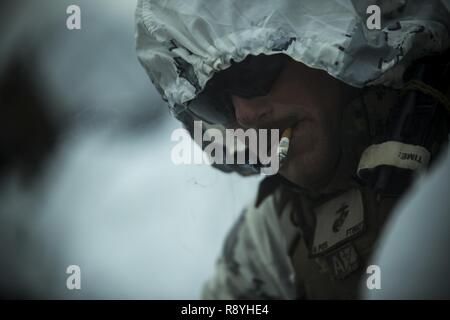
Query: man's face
(310, 101)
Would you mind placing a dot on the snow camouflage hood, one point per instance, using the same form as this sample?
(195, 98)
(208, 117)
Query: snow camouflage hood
(182, 43)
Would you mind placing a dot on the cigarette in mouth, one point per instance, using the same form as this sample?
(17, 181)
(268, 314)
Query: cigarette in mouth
(283, 146)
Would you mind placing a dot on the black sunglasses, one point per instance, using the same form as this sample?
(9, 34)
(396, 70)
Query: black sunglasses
(252, 77)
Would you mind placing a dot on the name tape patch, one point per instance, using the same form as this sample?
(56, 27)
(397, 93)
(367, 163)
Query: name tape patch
(338, 220)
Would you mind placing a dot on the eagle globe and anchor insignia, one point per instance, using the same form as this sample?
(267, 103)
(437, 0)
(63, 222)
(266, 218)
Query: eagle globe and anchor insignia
(338, 221)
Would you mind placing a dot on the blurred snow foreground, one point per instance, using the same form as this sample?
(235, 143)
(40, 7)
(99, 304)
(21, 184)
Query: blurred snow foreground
(109, 198)
(138, 226)
(413, 249)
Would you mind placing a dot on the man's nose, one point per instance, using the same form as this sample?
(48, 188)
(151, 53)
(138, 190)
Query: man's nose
(250, 112)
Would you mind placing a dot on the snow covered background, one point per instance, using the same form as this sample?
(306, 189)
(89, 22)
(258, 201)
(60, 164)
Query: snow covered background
(109, 199)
